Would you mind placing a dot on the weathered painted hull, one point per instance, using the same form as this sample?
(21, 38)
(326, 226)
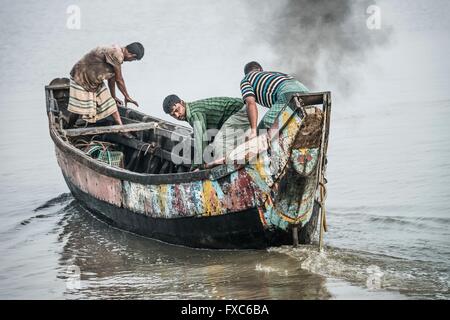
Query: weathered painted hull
(240, 230)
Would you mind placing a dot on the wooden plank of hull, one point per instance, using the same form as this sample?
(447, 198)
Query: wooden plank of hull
(100, 186)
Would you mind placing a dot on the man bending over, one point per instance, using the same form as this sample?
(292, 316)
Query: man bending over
(89, 97)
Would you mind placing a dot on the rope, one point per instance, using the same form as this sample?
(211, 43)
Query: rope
(323, 194)
(149, 146)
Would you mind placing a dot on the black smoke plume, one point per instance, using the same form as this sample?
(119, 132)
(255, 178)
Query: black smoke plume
(322, 39)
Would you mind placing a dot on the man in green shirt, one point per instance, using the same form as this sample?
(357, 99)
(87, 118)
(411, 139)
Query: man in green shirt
(227, 115)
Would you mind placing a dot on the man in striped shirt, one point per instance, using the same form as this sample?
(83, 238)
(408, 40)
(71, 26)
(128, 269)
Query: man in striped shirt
(269, 89)
(227, 115)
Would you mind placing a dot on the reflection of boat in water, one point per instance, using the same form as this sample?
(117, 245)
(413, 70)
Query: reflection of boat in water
(115, 264)
(230, 206)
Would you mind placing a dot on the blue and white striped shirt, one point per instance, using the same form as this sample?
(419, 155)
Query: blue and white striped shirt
(263, 86)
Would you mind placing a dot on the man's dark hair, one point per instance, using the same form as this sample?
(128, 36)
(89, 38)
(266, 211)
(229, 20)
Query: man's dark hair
(252, 66)
(169, 102)
(137, 49)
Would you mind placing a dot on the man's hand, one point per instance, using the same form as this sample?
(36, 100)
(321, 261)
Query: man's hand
(129, 100)
(252, 134)
(118, 101)
(214, 163)
(121, 85)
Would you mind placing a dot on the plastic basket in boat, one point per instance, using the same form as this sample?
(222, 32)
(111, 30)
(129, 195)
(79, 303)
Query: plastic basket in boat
(114, 158)
(101, 153)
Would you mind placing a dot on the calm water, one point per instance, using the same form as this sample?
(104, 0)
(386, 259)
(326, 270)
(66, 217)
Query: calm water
(388, 172)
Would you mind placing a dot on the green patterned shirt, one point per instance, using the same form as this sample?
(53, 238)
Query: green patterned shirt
(207, 114)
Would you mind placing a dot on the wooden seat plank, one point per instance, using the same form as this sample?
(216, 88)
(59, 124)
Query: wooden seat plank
(132, 127)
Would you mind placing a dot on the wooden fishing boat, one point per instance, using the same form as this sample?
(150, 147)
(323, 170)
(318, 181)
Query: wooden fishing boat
(149, 190)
